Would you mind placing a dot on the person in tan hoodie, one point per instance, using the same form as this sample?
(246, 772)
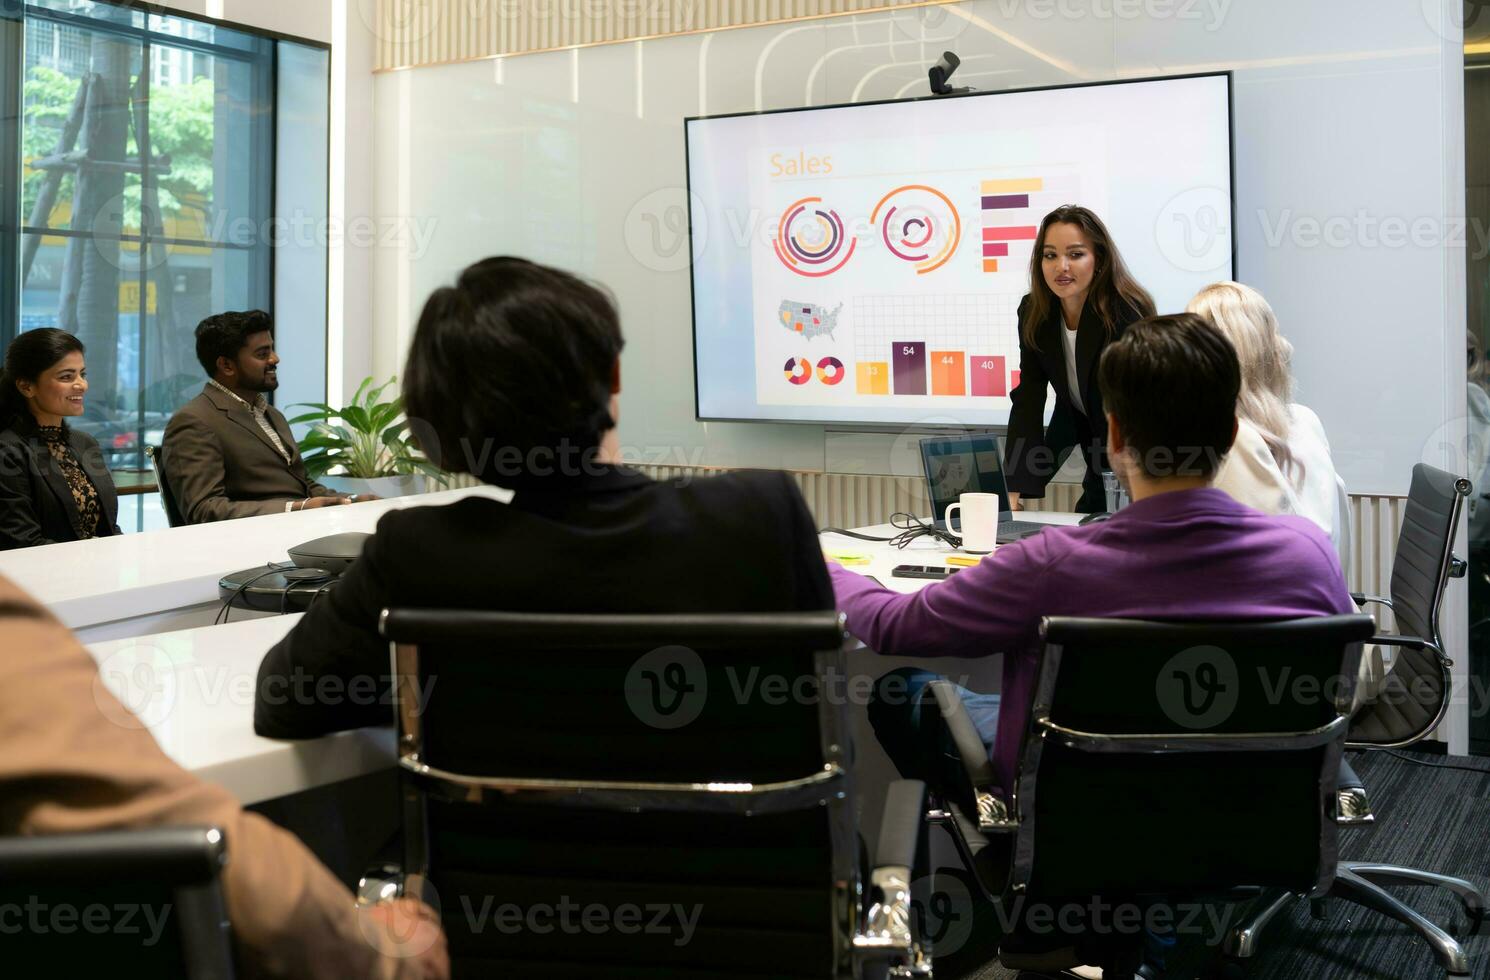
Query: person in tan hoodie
(74, 763)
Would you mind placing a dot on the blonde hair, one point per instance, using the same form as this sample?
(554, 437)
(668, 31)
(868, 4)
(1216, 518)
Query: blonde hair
(1248, 321)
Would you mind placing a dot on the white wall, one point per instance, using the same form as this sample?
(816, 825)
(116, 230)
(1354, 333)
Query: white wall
(1348, 162)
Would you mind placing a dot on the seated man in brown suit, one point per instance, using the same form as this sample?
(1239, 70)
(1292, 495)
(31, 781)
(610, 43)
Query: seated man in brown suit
(229, 453)
(76, 760)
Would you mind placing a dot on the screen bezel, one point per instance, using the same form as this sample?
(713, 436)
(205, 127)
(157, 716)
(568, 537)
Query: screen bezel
(943, 424)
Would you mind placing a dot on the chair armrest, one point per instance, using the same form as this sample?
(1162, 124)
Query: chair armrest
(887, 929)
(1362, 598)
(1411, 643)
(993, 813)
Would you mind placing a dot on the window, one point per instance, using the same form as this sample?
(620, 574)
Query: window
(148, 201)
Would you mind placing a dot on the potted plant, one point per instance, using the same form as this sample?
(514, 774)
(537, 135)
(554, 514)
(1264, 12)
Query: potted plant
(365, 447)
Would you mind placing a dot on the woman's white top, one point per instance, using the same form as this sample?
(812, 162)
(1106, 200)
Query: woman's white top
(1068, 341)
(1252, 477)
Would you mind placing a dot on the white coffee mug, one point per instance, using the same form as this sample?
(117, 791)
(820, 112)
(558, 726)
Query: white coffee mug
(980, 521)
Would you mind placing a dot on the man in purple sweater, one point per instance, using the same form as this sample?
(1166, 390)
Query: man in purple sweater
(1181, 550)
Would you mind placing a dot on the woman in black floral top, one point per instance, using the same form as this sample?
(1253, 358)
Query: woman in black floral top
(54, 484)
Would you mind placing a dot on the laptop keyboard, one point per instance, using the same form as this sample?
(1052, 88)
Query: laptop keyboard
(1018, 530)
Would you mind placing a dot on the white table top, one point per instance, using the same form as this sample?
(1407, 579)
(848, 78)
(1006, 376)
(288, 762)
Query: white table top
(924, 551)
(194, 691)
(85, 583)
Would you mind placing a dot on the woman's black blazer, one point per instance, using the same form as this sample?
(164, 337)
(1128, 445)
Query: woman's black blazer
(1033, 452)
(36, 506)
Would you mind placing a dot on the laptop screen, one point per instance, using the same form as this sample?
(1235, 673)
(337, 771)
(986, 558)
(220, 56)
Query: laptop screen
(956, 465)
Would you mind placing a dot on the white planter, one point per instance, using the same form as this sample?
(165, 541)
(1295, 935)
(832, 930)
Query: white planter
(382, 486)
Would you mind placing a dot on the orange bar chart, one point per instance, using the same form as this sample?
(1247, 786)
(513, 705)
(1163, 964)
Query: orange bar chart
(948, 372)
(872, 377)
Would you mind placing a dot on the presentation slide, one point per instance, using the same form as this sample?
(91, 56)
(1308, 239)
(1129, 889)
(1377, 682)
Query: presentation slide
(864, 263)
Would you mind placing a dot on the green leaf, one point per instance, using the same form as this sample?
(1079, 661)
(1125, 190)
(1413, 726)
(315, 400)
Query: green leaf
(315, 441)
(319, 464)
(395, 436)
(356, 417)
(323, 410)
(383, 415)
(313, 417)
(377, 393)
(357, 398)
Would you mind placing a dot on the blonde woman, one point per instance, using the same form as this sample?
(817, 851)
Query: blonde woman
(1280, 463)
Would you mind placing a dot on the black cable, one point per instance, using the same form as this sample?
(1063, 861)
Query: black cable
(911, 528)
(227, 607)
(852, 534)
(284, 600)
(1405, 757)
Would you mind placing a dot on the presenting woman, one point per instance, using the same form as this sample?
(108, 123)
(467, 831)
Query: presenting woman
(1081, 299)
(54, 485)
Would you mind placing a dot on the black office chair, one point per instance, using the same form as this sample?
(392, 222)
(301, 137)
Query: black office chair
(132, 903)
(1161, 765)
(1410, 703)
(156, 455)
(697, 763)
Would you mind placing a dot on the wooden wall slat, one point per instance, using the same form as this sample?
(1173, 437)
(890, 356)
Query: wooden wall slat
(421, 33)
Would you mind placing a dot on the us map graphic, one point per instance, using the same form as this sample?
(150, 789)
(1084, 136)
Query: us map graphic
(808, 320)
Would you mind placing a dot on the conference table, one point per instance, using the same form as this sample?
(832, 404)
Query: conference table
(160, 581)
(194, 688)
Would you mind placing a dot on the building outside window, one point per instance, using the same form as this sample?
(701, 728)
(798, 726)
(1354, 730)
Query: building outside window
(147, 197)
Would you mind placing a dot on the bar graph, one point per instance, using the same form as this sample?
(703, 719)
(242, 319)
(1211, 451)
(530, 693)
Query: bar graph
(949, 372)
(937, 346)
(909, 358)
(872, 378)
(988, 377)
(1012, 209)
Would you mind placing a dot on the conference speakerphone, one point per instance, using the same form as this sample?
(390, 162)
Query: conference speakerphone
(284, 587)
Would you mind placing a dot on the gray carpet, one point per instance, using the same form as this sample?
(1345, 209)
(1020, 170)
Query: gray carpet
(1433, 819)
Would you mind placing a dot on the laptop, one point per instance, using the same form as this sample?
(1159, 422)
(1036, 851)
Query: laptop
(956, 465)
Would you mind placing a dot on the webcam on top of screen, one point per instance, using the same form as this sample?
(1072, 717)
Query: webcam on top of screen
(941, 75)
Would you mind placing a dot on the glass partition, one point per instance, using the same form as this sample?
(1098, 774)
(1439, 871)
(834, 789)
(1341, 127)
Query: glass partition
(144, 200)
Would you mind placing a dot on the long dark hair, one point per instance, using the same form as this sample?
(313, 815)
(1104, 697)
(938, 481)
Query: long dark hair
(28, 356)
(1112, 289)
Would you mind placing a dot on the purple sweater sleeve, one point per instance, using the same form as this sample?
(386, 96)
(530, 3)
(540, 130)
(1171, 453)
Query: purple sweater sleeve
(990, 608)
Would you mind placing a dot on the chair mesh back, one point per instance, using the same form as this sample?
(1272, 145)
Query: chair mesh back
(1186, 822)
(1414, 691)
(1418, 568)
(676, 889)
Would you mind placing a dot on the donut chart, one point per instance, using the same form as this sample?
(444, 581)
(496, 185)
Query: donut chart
(797, 370)
(830, 371)
(810, 240)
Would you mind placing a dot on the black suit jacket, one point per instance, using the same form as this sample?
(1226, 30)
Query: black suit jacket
(1033, 452)
(612, 541)
(36, 506)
